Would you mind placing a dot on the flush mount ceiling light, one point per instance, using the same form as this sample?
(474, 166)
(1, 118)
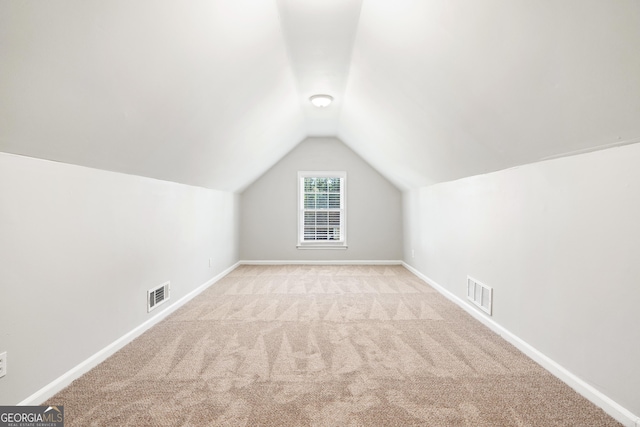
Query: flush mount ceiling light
(321, 101)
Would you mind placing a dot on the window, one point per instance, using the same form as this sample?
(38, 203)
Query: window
(321, 210)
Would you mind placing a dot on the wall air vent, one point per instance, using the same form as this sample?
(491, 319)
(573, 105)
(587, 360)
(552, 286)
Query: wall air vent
(480, 294)
(157, 296)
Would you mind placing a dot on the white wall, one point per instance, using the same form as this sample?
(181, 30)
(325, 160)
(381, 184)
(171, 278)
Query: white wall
(269, 208)
(79, 247)
(559, 241)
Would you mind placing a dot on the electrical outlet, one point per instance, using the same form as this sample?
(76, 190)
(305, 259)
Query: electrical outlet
(210, 262)
(3, 364)
(413, 253)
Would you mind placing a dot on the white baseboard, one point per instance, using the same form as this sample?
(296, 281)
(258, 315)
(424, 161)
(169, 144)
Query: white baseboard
(321, 262)
(67, 378)
(607, 404)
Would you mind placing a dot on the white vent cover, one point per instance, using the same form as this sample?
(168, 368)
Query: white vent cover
(480, 294)
(157, 296)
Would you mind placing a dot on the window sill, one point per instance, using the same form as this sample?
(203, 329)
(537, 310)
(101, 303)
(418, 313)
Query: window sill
(331, 247)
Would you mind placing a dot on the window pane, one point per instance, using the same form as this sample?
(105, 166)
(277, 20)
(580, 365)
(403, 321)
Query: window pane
(334, 233)
(309, 218)
(322, 201)
(309, 201)
(334, 201)
(322, 218)
(334, 185)
(309, 185)
(334, 218)
(309, 233)
(322, 233)
(322, 185)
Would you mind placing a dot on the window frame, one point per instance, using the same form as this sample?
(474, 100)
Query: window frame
(322, 244)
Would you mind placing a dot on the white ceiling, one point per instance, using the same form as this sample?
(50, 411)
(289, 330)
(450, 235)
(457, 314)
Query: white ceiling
(214, 92)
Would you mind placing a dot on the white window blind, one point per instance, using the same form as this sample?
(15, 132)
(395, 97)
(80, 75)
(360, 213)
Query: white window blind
(321, 209)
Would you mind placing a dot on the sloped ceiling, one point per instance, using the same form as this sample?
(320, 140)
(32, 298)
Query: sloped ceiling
(214, 92)
(463, 87)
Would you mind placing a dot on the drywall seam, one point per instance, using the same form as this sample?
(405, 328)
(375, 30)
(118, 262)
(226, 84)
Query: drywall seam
(592, 149)
(320, 262)
(76, 372)
(607, 404)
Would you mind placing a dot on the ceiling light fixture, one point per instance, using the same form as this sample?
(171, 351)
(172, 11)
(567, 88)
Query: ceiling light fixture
(321, 101)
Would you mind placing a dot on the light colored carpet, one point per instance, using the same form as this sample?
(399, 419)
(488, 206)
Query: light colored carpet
(322, 346)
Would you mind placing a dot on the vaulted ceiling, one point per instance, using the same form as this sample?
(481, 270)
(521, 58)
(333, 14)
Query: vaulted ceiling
(214, 92)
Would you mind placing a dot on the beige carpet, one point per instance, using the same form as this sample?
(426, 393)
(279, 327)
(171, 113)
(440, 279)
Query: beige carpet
(322, 346)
